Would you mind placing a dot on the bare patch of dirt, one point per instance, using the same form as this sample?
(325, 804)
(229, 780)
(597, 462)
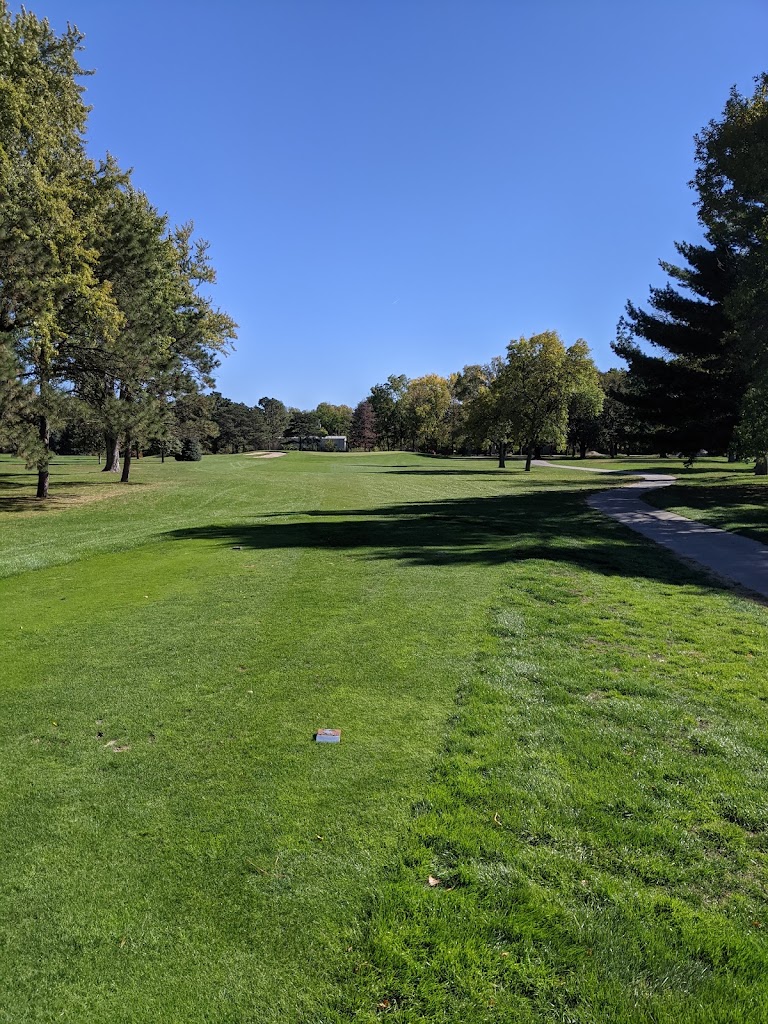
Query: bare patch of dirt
(116, 747)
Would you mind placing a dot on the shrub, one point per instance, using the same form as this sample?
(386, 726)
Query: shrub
(190, 451)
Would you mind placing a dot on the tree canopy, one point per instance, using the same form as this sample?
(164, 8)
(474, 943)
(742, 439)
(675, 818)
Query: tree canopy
(533, 388)
(97, 295)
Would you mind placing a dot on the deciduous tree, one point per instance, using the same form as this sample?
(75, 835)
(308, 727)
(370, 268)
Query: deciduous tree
(386, 402)
(425, 408)
(535, 385)
(334, 419)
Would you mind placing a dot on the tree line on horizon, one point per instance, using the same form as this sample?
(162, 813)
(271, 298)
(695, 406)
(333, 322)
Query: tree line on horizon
(540, 393)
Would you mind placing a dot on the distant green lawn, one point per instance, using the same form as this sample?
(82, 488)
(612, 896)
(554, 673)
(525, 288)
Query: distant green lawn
(559, 723)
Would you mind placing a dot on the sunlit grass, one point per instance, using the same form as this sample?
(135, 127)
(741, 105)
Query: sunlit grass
(556, 720)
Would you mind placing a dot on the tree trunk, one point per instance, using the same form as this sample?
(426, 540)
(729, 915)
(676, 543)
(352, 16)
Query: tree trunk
(731, 455)
(126, 461)
(112, 460)
(44, 434)
(582, 451)
(528, 457)
(761, 465)
(613, 451)
(502, 455)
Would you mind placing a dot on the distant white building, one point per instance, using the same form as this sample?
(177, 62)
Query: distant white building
(314, 443)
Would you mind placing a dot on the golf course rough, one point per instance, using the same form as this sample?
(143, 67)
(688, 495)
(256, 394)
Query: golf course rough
(545, 715)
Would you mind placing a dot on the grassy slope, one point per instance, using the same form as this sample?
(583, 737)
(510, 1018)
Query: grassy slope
(592, 801)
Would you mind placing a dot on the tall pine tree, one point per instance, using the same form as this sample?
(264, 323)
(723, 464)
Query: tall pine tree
(50, 293)
(690, 393)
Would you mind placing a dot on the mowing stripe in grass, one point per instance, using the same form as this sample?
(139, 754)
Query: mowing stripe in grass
(597, 823)
(175, 847)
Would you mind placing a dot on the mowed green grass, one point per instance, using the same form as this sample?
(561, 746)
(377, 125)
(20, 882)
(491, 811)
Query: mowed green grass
(555, 720)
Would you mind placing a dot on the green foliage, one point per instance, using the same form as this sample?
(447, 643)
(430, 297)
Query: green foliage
(50, 292)
(585, 407)
(238, 427)
(424, 410)
(732, 184)
(533, 388)
(712, 334)
(191, 450)
(363, 433)
(688, 396)
(618, 426)
(334, 419)
(386, 403)
(482, 419)
(275, 419)
(305, 427)
(171, 336)
(752, 434)
(95, 292)
(15, 401)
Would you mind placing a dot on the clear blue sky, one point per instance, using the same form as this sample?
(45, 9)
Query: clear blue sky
(402, 186)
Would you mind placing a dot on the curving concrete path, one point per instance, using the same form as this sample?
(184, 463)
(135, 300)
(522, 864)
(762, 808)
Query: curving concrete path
(738, 560)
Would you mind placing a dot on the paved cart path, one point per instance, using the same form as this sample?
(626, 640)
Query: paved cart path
(736, 559)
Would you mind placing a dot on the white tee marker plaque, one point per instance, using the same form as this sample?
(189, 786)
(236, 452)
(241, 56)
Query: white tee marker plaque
(328, 736)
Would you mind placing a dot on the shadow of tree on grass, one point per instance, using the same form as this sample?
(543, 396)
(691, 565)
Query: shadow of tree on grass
(554, 526)
(63, 494)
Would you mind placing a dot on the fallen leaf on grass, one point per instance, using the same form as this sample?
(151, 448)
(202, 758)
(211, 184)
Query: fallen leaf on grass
(496, 819)
(432, 881)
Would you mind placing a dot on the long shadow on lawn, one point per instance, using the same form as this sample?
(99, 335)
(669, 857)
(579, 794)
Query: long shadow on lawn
(741, 508)
(554, 526)
(62, 493)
